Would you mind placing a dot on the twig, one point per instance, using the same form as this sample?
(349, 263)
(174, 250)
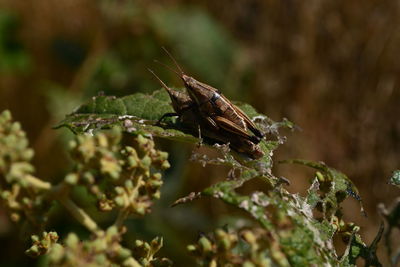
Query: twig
(37, 183)
(80, 215)
(121, 218)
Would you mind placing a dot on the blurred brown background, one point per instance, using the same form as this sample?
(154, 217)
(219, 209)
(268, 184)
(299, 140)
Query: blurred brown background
(332, 67)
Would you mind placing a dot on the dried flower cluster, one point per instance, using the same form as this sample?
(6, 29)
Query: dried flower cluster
(244, 247)
(127, 178)
(102, 250)
(20, 191)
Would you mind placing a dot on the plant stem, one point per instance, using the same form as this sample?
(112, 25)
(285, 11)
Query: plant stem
(80, 215)
(60, 192)
(37, 183)
(121, 218)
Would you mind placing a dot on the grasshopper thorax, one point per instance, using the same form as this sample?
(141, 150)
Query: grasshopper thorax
(198, 91)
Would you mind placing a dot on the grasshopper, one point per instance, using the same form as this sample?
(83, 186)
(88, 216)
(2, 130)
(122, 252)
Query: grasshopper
(189, 114)
(216, 109)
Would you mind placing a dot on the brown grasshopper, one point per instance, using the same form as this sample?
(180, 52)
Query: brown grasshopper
(189, 114)
(216, 109)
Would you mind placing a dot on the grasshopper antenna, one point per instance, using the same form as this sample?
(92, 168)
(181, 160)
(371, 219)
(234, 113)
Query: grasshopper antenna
(173, 59)
(159, 80)
(166, 66)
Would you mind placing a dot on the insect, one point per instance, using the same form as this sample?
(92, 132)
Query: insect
(188, 112)
(218, 111)
(181, 102)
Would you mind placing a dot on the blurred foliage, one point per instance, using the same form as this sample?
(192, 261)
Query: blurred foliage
(103, 250)
(209, 45)
(17, 193)
(123, 178)
(12, 53)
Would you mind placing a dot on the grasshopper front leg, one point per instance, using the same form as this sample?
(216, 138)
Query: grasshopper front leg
(166, 115)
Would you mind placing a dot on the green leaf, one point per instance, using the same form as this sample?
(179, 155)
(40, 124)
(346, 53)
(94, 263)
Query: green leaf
(335, 185)
(287, 217)
(148, 107)
(290, 219)
(395, 178)
(138, 114)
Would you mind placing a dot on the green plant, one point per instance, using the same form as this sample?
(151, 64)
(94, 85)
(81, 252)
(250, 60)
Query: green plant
(286, 229)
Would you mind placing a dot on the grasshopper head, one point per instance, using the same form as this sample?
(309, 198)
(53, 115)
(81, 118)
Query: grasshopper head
(180, 100)
(198, 91)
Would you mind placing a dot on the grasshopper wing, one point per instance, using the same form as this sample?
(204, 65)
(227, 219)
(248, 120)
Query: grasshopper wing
(235, 129)
(250, 123)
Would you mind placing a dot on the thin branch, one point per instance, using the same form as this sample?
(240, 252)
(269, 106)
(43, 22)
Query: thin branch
(80, 215)
(123, 213)
(37, 183)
